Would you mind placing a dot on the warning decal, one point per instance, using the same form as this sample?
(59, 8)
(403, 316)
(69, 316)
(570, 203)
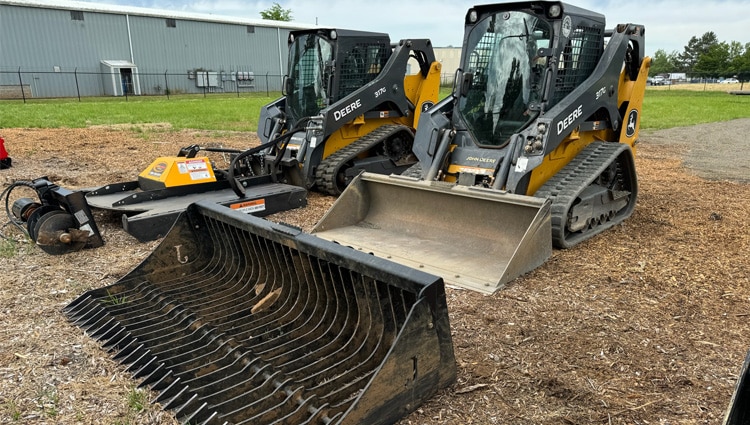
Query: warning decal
(196, 164)
(198, 169)
(249, 207)
(200, 175)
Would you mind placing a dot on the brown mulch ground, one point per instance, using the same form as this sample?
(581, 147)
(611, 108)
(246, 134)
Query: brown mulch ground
(646, 324)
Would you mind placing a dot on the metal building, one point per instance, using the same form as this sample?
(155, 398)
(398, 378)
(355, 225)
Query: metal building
(59, 48)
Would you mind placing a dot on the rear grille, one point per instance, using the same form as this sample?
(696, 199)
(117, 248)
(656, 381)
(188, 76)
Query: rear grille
(263, 326)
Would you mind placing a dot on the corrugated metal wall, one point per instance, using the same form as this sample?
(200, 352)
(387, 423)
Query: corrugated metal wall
(47, 46)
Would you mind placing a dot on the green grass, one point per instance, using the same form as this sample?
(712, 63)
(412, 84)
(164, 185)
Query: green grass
(661, 109)
(137, 403)
(680, 108)
(8, 248)
(137, 400)
(113, 299)
(49, 400)
(445, 91)
(13, 411)
(215, 112)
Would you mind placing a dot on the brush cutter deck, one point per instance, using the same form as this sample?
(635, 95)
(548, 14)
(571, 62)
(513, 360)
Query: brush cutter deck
(236, 319)
(149, 214)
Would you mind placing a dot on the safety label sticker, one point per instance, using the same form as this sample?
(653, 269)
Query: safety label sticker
(196, 164)
(249, 207)
(200, 175)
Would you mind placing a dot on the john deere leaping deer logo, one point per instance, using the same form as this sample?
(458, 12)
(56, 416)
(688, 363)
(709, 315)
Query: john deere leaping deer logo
(632, 120)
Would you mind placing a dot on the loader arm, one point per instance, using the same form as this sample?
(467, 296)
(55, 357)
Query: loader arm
(592, 106)
(366, 111)
(738, 412)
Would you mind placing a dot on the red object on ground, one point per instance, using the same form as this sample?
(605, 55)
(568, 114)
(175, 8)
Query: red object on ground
(4, 158)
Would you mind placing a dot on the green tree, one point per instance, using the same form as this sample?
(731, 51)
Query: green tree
(740, 64)
(694, 49)
(276, 13)
(664, 62)
(714, 62)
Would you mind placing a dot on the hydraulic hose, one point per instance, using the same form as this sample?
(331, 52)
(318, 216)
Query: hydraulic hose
(234, 182)
(6, 194)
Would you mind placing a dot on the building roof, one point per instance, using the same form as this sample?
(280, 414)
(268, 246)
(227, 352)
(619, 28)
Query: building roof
(158, 13)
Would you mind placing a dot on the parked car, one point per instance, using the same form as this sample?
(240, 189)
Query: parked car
(729, 81)
(658, 81)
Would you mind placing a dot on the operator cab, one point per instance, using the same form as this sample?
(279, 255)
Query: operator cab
(515, 57)
(506, 73)
(326, 65)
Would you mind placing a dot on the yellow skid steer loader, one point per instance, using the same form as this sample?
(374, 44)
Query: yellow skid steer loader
(535, 147)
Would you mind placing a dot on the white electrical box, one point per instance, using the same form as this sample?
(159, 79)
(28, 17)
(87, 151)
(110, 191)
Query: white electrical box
(207, 79)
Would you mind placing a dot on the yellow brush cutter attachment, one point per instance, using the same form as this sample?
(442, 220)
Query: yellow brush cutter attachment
(167, 172)
(234, 319)
(472, 237)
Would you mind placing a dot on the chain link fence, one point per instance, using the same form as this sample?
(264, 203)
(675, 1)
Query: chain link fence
(25, 85)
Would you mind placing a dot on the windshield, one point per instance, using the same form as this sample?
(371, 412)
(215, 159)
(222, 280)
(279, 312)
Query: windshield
(310, 56)
(507, 75)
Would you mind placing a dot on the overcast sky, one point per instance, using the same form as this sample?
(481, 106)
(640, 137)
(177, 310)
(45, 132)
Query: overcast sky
(669, 23)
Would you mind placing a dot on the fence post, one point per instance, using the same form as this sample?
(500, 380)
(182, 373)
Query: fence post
(268, 90)
(237, 84)
(78, 89)
(20, 81)
(166, 84)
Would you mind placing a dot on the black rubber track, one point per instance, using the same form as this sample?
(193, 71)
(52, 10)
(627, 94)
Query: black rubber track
(328, 170)
(564, 188)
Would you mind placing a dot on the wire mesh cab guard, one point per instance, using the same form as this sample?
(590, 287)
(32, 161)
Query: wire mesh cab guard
(234, 319)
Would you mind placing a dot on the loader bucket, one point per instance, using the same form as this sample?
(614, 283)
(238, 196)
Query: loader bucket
(234, 319)
(739, 406)
(475, 238)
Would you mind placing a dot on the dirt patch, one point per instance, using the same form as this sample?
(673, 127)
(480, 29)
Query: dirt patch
(710, 150)
(646, 323)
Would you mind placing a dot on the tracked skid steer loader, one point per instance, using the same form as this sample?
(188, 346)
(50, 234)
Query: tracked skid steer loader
(351, 104)
(534, 148)
(234, 319)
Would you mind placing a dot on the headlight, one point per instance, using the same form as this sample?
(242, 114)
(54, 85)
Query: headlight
(554, 11)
